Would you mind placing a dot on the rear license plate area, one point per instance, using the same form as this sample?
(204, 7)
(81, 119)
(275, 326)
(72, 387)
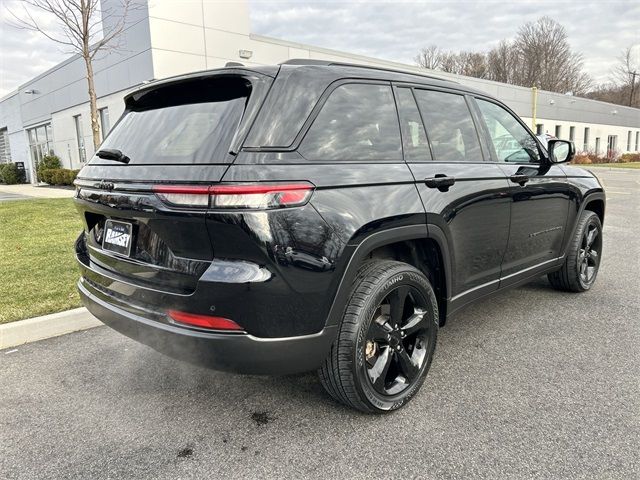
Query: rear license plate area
(118, 237)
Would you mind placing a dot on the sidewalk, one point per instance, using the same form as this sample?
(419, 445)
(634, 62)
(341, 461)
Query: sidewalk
(30, 191)
(20, 332)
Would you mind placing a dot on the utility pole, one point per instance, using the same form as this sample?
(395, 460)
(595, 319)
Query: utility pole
(633, 87)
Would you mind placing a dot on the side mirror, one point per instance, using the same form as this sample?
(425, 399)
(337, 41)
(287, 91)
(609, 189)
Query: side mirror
(561, 151)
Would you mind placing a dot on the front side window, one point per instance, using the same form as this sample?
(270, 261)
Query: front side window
(357, 122)
(510, 139)
(449, 126)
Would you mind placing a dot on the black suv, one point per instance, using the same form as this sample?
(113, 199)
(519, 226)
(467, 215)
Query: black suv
(312, 215)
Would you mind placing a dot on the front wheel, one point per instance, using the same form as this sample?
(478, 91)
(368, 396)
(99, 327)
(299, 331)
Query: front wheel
(386, 339)
(580, 268)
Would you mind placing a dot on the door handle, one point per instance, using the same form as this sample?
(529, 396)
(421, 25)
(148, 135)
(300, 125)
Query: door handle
(519, 178)
(440, 181)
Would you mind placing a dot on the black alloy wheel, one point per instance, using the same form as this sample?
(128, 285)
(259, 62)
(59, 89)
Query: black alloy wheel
(583, 257)
(397, 341)
(589, 254)
(386, 340)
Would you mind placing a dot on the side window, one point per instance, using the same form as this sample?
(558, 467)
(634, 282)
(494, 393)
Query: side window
(511, 141)
(414, 138)
(449, 125)
(358, 122)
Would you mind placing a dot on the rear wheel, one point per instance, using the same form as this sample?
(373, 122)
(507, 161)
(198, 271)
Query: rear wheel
(386, 340)
(582, 263)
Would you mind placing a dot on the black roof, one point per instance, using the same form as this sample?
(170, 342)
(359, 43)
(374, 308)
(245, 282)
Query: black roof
(341, 69)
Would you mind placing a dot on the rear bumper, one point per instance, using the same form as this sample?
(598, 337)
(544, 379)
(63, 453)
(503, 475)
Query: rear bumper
(232, 352)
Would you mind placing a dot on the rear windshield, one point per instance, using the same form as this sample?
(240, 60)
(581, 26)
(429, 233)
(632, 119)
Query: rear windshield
(180, 124)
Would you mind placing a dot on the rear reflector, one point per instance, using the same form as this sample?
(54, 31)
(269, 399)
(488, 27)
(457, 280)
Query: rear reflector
(253, 196)
(204, 321)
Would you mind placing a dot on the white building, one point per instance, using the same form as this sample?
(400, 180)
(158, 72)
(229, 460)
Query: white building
(165, 38)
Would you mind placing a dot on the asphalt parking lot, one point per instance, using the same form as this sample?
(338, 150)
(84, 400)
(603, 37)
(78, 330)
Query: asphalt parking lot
(532, 383)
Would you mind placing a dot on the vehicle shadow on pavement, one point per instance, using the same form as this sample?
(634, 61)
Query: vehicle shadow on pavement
(142, 371)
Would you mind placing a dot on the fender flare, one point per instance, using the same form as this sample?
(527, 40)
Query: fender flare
(593, 195)
(379, 239)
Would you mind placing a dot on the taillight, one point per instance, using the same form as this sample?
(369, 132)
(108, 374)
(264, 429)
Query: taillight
(183, 195)
(203, 321)
(253, 196)
(260, 196)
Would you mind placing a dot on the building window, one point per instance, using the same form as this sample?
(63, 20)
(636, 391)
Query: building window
(558, 131)
(539, 129)
(597, 145)
(105, 125)
(82, 154)
(612, 146)
(5, 151)
(586, 139)
(40, 143)
(637, 141)
(629, 141)
(572, 134)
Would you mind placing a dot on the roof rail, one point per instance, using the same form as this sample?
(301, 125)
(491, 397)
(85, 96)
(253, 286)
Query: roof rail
(328, 63)
(305, 61)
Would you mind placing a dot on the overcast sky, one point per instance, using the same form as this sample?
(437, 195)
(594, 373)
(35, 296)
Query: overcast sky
(389, 30)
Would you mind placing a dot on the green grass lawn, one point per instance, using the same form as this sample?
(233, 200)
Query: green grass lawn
(38, 273)
(613, 165)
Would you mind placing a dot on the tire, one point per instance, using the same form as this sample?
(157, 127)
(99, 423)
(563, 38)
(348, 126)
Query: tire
(584, 253)
(386, 339)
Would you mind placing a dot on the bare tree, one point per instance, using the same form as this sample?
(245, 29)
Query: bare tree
(502, 62)
(539, 56)
(472, 64)
(429, 57)
(627, 73)
(80, 30)
(545, 58)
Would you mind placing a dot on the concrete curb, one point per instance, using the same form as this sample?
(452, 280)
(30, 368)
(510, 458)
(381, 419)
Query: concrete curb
(609, 169)
(48, 326)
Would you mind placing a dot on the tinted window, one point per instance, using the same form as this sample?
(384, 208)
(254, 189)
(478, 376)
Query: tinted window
(449, 125)
(511, 141)
(180, 124)
(358, 122)
(414, 138)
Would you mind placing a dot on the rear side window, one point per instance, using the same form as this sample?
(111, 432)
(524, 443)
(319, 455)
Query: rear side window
(357, 122)
(181, 124)
(414, 138)
(450, 127)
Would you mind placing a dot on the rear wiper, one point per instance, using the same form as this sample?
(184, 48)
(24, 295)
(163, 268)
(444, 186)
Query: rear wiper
(113, 154)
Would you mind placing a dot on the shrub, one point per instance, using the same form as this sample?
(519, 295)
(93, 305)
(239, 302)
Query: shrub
(589, 157)
(48, 162)
(58, 176)
(10, 174)
(630, 157)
